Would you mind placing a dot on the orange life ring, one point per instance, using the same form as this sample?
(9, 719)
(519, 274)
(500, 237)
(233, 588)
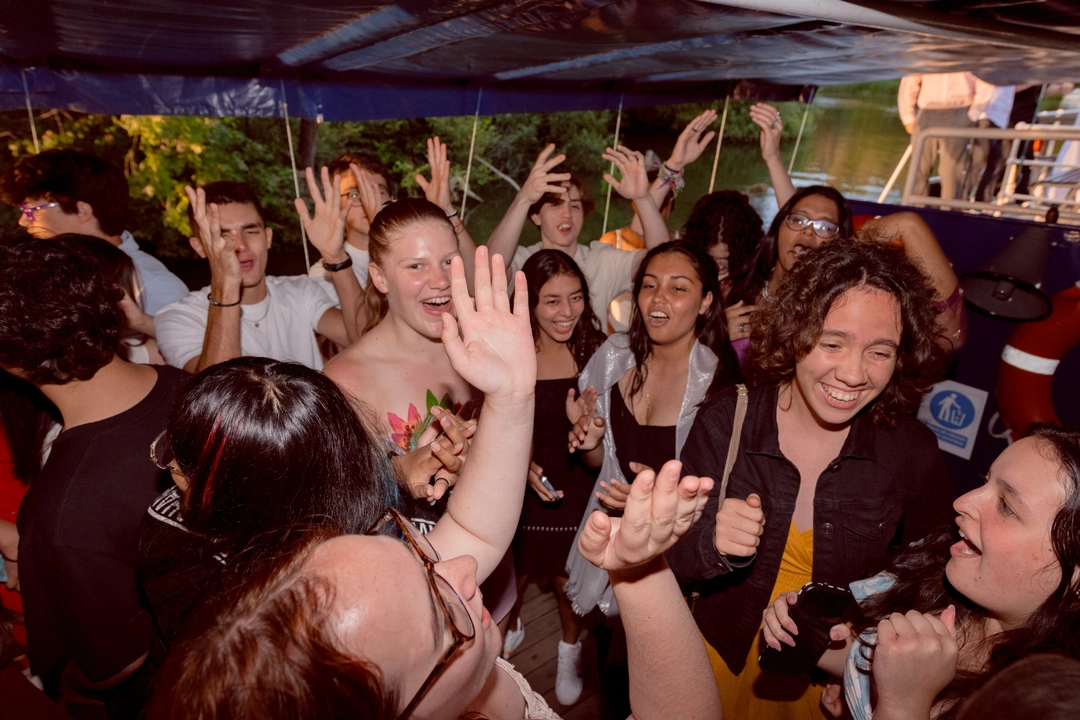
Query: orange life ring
(1030, 359)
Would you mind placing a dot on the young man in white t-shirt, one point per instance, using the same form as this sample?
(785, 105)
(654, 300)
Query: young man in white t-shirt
(245, 312)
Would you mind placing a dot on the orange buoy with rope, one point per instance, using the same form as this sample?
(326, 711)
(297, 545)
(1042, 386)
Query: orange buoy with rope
(1026, 371)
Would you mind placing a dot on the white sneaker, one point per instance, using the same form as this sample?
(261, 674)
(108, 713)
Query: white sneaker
(513, 640)
(568, 682)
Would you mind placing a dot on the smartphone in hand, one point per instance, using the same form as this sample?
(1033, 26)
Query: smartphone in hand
(819, 607)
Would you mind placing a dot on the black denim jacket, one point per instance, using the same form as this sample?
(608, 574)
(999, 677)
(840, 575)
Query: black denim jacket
(887, 486)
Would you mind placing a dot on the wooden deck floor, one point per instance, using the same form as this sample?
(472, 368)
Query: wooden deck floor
(537, 657)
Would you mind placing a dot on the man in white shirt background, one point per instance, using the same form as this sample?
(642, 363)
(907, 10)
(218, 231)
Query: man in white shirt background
(939, 100)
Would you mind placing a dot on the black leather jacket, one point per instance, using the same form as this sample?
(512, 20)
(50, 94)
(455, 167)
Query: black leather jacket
(887, 486)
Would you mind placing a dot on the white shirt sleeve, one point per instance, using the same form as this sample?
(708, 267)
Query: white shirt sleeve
(906, 98)
(181, 328)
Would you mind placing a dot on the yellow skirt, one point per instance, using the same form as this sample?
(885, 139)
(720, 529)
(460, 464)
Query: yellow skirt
(755, 694)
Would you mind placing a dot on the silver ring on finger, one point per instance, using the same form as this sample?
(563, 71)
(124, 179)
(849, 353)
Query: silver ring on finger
(777, 117)
(742, 327)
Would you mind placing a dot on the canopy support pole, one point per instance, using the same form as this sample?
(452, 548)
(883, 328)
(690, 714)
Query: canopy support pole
(719, 142)
(472, 150)
(295, 174)
(30, 112)
(611, 170)
(895, 174)
(802, 126)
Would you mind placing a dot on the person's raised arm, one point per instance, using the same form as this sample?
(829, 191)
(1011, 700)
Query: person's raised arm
(504, 239)
(669, 668)
(437, 190)
(494, 353)
(767, 117)
(221, 341)
(921, 246)
(688, 148)
(326, 231)
(634, 185)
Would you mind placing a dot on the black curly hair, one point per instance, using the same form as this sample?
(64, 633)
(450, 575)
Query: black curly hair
(725, 216)
(60, 317)
(791, 324)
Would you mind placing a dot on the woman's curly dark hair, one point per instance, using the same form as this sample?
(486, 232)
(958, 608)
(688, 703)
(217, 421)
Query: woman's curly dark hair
(921, 584)
(791, 324)
(60, 317)
(725, 216)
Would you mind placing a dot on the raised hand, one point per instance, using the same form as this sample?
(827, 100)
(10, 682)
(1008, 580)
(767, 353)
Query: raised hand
(494, 351)
(541, 180)
(739, 526)
(915, 659)
(691, 142)
(370, 199)
(437, 189)
(767, 117)
(631, 164)
(326, 229)
(739, 317)
(212, 245)
(659, 511)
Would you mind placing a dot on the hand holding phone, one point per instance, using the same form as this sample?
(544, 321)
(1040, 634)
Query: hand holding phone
(799, 624)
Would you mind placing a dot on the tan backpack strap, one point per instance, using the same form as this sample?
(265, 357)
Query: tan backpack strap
(736, 433)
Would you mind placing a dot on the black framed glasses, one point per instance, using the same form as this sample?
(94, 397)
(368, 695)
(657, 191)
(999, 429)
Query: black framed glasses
(394, 524)
(825, 229)
(29, 210)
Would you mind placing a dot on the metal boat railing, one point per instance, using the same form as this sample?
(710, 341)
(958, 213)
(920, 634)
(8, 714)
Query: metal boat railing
(1046, 171)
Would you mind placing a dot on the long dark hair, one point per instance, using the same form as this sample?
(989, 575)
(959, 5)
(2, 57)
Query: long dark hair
(921, 583)
(26, 416)
(710, 329)
(790, 326)
(269, 448)
(751, 277)
(120, 268)
(540, 268)
(394, 218)
(725, 216)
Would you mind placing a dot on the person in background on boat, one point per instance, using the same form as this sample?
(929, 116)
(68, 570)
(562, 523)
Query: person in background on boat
(793, 231)
(972, 599)
(939, 100)
(992, 109)
(641, 390)
(557, 203)
(832, 468)
(566, 333)
(665, 183)
(244, 311)
(137, 343)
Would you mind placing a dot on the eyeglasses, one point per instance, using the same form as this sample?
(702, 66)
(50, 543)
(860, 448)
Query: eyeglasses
(29, 210)
(824, 229)
(394, 524)
(161, 453)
